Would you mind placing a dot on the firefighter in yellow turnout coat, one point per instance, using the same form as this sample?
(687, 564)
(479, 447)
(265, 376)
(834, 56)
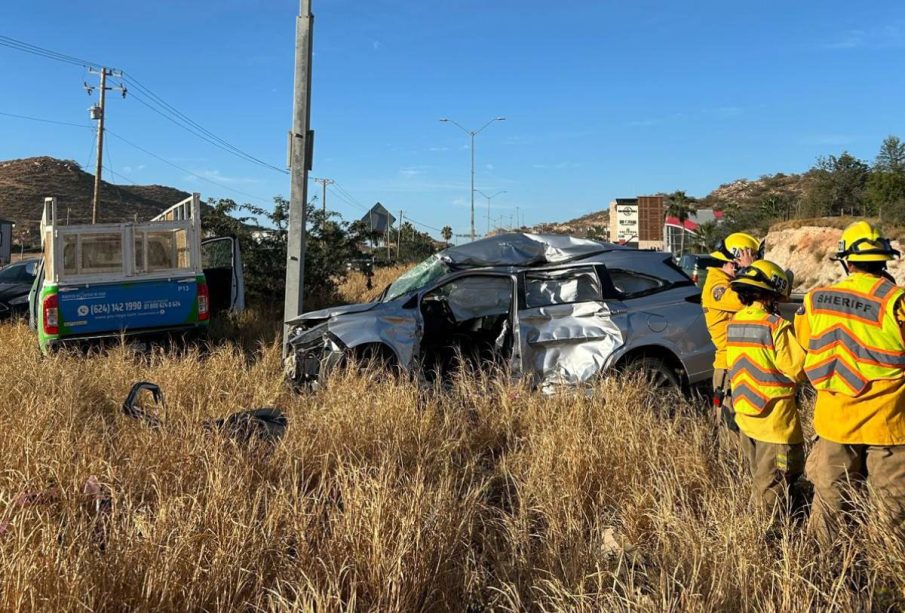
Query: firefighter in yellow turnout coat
(720, 304)
(853, 332)
(765, 364)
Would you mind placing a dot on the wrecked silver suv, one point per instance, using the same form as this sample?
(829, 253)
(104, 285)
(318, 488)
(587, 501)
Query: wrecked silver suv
(557, 309)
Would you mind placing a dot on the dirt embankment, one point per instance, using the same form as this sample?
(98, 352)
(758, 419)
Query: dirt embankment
(807, 249)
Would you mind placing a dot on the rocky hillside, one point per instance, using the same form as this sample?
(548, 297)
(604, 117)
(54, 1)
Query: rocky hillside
(590, 225)
(745, 192)
(25, 183)
(805, 247)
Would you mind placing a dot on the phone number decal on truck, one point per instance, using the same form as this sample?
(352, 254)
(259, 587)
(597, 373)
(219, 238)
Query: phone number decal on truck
(147, 304)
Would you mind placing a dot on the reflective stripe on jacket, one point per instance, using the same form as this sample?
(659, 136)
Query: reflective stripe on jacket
(750, 352)
(854, 336)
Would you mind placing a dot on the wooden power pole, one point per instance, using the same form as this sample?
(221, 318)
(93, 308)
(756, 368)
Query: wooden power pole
(300, 155)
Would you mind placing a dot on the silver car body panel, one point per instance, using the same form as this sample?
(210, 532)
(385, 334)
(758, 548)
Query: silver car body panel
(554, 343)
(566, 343)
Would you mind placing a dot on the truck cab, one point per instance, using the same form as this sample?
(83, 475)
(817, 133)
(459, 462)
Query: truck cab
(131, 279)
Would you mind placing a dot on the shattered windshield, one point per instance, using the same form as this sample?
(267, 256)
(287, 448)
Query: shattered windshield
(420, 276)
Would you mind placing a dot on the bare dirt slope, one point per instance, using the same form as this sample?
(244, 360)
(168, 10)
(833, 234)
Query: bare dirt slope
(25, 183)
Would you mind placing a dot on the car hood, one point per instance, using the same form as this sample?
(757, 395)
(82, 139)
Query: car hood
(323, 314)
(11, 290)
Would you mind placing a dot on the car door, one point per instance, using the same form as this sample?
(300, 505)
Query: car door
(567, 330)
(221, 260)
(468, 316)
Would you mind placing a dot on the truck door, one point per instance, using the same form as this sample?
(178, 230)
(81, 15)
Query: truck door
(221, 260)
(566, 330)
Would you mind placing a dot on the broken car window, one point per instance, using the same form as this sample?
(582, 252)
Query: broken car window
(418, 277)
(473, 297)
(545, 288)
(634, 285)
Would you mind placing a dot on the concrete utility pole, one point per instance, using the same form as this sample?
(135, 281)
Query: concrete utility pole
(399, 234)
(472, 134)
(324, 183)
(300, 155)
(98, 113)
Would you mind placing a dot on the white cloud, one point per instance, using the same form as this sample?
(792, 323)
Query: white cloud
(889, 36)
(438, 149)
(216, 175)
(376, 45)
(410, 172)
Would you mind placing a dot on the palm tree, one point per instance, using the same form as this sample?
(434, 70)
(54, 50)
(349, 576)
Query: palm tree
(446, 233)
(679, 206)
(707, 234)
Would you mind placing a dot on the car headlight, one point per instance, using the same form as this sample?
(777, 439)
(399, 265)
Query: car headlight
(18, 300)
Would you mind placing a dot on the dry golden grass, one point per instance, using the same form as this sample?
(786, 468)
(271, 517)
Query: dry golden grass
(354, 288)
(383, 496)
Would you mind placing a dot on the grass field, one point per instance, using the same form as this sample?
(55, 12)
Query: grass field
(384, 496)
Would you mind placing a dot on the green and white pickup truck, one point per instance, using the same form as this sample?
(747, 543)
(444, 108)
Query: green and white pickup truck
(145, 279)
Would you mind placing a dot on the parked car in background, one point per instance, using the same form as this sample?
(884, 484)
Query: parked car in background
(15, 283)
(555, 309)
(695, 265)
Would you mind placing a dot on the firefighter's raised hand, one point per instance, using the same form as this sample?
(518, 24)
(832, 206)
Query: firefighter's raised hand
(745, 258)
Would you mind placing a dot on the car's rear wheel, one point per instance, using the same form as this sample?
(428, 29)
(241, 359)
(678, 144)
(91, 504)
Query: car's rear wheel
(654, 372)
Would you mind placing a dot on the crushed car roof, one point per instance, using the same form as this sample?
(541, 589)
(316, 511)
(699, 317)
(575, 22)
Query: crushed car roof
(522, 249)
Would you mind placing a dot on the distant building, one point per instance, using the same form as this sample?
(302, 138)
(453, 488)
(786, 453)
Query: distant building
(672, 229)
(638, 222)
(6, 241)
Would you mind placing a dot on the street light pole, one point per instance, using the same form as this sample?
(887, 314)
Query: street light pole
(502, 191)
(472, 134)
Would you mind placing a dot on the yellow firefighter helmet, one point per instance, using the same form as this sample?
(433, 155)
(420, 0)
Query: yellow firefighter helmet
(732, 246)
(861, 242)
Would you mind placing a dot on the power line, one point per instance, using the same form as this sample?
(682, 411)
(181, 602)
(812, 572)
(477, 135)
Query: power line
(20, 45)
(346, 201)
(168, 111)
(61, 123)
(171, 113)
(257, 199)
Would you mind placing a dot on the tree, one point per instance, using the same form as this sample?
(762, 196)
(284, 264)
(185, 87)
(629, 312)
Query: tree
(838, 185)
(707, 236)
(447, 234)
(329, 246)
(886, 185)
(891, 157)
(678, 205)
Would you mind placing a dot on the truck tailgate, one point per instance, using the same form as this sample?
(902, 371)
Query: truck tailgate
(111, 307)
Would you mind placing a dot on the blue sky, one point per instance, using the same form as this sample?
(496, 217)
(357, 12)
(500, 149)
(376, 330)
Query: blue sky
(602, 99)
